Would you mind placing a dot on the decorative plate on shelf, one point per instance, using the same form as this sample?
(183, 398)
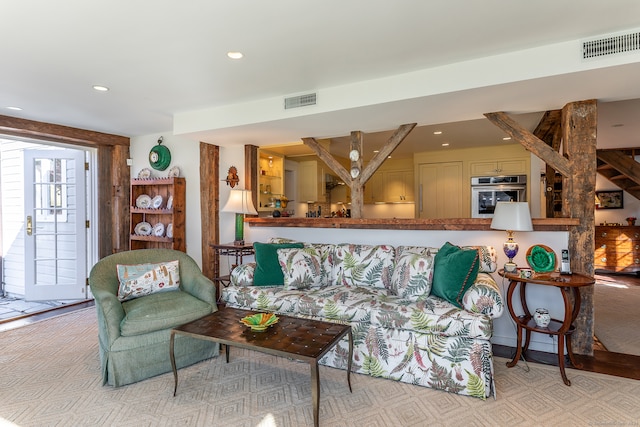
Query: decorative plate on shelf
(174, 172)
(541, 258)
(170, 230)
(156, 202)
(143, 201)
(158, 230)
(170, 202)
(144, 173)
(143, 229)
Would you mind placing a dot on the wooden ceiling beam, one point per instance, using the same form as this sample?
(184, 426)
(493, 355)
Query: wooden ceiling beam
(531, 142)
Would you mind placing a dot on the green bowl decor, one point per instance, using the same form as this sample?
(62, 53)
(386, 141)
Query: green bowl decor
(260, 321)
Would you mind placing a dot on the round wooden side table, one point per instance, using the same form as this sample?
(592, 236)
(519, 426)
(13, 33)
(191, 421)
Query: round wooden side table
(568, 285)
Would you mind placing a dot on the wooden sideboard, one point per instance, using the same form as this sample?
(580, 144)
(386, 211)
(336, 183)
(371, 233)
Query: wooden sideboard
(617, 248)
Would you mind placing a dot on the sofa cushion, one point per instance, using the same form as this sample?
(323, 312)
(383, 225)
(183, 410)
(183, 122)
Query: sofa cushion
(268, 272)
(413, 275)
(431, 316)
(363, 265)
(161, 311)
(301, 268)
(455, 270)
(145, 279)
(341, 302)
(263, 298)
(487, 256)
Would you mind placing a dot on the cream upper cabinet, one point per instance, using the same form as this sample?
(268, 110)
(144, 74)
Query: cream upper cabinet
(398, 186)
(499, 167)
(374, 189)
(440, 190)
(390, 186)
(311, 185)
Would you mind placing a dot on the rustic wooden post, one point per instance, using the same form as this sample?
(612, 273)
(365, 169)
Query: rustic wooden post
(578, 168)
(209, 205)
(251, 172)
(579, 126)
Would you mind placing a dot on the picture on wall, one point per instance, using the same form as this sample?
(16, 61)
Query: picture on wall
(609, 199)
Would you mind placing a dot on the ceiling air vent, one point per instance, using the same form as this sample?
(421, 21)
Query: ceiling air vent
(300, 101)
(611, 45)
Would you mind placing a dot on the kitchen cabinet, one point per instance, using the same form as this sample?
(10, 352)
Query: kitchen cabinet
(311, 183)
(499, 167)
(157, 214)
(270, 180)
(440, 190)
(390, 186)
(617, 248)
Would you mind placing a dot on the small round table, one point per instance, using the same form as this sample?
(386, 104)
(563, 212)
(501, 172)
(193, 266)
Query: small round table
(567, 283)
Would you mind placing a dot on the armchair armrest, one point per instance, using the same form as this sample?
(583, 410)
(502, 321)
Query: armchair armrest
(110, 314)
(484, 297)
(202, 288)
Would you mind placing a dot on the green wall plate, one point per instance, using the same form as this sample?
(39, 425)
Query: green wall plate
(159, 156)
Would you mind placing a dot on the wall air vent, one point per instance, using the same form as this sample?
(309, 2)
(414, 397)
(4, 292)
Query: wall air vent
(611, 45)
(300, 101)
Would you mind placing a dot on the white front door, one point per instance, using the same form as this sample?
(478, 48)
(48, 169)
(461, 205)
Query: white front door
(55, 225)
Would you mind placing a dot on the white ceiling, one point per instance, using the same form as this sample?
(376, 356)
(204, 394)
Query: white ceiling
(167, 58)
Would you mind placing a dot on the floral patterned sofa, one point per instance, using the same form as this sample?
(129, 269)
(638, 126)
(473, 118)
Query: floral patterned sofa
(401, 330)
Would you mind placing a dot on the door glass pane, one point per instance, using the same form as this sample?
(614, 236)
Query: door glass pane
(45, 272)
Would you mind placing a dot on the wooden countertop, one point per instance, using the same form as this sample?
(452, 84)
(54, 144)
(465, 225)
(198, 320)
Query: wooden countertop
(539, 224)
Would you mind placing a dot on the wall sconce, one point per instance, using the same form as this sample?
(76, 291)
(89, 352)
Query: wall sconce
(232, 177)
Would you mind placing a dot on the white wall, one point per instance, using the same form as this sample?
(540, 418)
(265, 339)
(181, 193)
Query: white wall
(630, 203)
(504, 328)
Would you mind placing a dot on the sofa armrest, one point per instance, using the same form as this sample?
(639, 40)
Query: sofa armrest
(484, 297)
(242, 275)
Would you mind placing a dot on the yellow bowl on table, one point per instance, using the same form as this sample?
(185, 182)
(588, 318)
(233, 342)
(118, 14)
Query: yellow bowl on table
(260, 321)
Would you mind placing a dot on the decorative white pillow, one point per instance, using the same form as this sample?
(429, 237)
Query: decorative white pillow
(413, 275)
(146, 279)
(301, 268)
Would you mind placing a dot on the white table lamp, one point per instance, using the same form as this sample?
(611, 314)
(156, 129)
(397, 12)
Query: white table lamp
(511, 216)
(240, 203)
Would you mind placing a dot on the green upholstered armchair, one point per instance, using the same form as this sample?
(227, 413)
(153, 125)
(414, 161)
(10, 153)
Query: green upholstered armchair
(134, 335)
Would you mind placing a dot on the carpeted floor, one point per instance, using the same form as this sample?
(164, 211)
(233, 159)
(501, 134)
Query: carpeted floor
(50, 375)
(617, 313)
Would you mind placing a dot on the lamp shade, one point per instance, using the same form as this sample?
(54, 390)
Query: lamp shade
(240, 202)
(513, 216)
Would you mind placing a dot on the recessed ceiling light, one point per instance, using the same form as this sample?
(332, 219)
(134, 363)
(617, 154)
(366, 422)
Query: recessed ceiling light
(438, 132)
(100, 88)
(388, 157)
(14, 108)
(506, 138)
(235, 55)
(445, 144)
(376, 151)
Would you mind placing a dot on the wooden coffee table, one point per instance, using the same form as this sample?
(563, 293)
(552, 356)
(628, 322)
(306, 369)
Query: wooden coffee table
(300, 339)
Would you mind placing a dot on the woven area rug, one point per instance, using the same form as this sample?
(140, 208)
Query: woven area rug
(50, 375)
(617, 315)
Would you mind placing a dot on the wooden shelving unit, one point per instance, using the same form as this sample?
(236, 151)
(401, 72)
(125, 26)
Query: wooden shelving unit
(175, 214)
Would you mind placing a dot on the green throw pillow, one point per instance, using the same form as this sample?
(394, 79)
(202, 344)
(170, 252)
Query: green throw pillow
(268, 271)
(455, 270)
